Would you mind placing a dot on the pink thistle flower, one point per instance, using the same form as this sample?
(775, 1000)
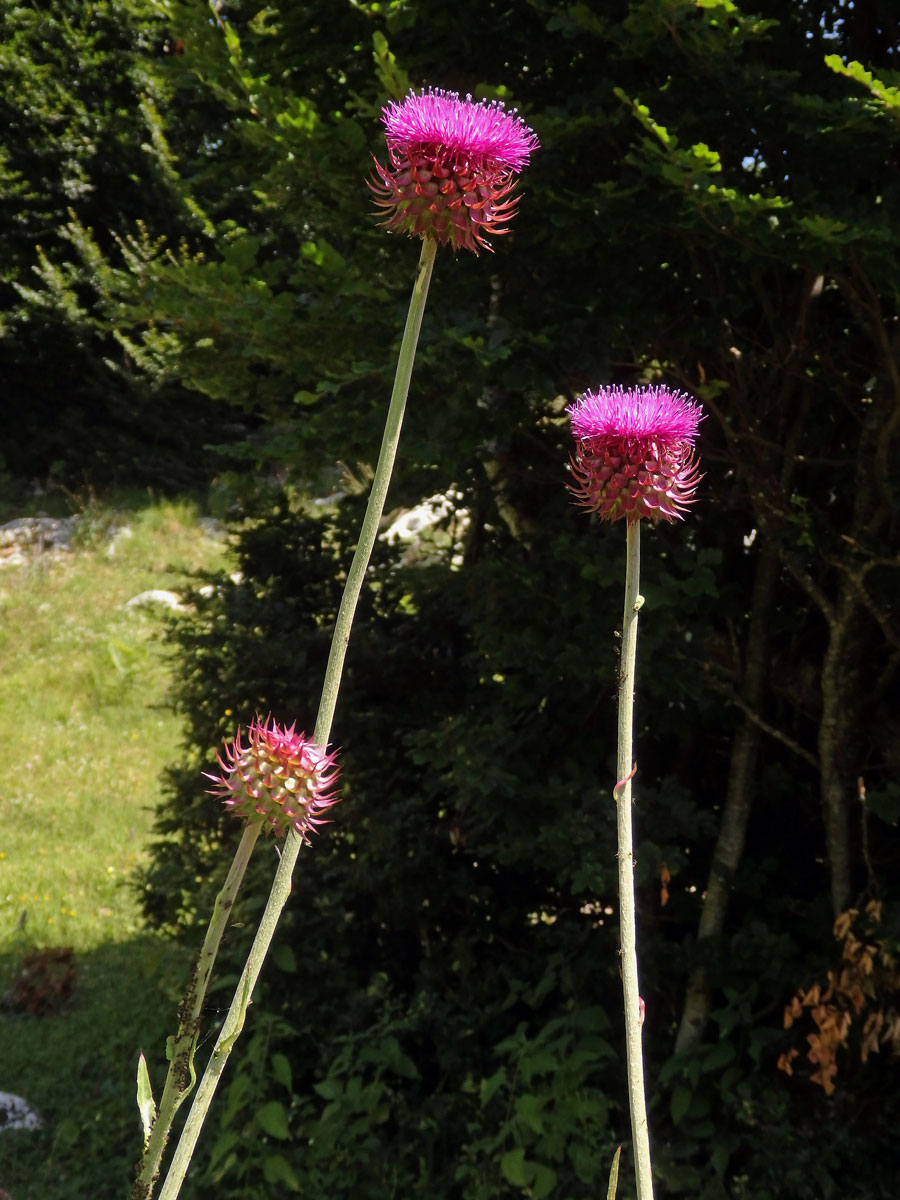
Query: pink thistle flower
(635, 453)
(278, 778)
(452, 167)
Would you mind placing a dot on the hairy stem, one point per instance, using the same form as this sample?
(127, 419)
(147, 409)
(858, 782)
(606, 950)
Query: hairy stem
(640, 1131)
(377, 496)
(281, 885)
(180, 1077)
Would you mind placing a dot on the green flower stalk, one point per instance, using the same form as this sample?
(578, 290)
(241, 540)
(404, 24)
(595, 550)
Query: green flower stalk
(634, 459)
(278, 781)
(452, 166)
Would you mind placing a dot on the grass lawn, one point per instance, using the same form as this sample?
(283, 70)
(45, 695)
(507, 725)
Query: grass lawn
(85, 733)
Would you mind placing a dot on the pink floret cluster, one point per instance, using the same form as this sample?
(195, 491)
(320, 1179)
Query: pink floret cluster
(635, 453)
(480, 131)
(451, 168)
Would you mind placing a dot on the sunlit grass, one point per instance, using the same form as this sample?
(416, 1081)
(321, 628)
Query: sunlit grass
(85, 733)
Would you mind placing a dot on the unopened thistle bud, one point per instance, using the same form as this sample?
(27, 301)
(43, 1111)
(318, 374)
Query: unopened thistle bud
(452, 169)
(635, 454)
(279, 779)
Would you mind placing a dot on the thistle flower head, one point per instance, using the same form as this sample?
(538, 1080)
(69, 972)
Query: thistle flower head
(278, 779)
(452, 167)
(634, 454)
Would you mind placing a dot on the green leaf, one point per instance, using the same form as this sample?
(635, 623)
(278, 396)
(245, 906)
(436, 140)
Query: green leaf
(718, 1056)
(281, 1070)
(885, 803)
(680, 1102)
(671, 1067)
(277, 1169)
(324, 255)
(399, 1063)
(889, 96)
(488, 1087)
(272, 1119)
(393, 80)
(823, 228)
(614, 1175)
(541, 1063)
(222, 1150)
(232, 41)
(544, 1181)
(145, 1103)
(706, 157)
(284, 959)
(515, 1169)
(528, 1110)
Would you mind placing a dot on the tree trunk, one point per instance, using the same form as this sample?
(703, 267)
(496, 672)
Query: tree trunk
(738, 800)
(837, 672)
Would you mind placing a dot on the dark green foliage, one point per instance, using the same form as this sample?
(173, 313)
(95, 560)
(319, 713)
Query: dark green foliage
(712, 206)
(79, 89)
(465, 787)
(445, 988)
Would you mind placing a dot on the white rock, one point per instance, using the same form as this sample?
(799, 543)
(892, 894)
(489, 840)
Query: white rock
(122, 534)
(40, 532)
(212, 527)
(16, 1113)
(410, 524)
(156, 596)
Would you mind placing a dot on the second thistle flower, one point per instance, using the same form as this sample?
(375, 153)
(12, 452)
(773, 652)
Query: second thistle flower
(278, 778)
(452, 168)
(635, 455)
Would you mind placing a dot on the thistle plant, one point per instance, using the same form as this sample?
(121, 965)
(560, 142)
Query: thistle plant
(452, 166)
(276, 782)
(279, 780)
(634, 458)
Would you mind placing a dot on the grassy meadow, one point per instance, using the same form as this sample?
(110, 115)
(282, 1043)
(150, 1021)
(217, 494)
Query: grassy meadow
(86, 731)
